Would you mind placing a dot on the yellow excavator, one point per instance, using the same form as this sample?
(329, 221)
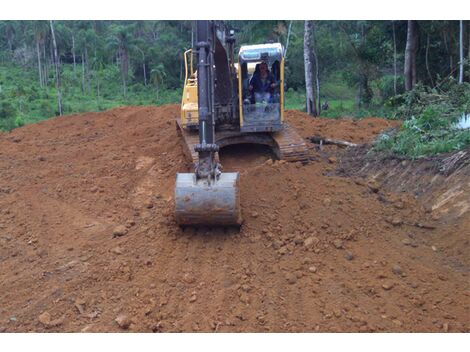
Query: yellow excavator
(220, 107)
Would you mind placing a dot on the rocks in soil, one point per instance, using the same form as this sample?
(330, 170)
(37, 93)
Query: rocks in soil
(388, 286)
(396, 221)
(117, 250)
(397, 270)
(298, 239)
(254, 214)
(245, 288)
(193, 298)
(189, 278)
(373, 185)
(123, 321)
(244, 298)
(406, 242)
(349, 255)
(312, 269)
(79, 304)
(119, 231)
(291, 278)
(399, 205)
(46, 320)
(338, 244)
(426, 226)
(311, 241)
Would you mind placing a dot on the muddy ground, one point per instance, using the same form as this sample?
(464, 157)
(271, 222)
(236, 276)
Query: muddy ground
(88, 240)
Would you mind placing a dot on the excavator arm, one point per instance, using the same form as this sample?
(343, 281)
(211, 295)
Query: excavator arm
(209, 196)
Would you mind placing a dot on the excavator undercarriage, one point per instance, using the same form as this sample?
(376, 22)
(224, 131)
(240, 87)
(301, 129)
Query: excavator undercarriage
(286, 144)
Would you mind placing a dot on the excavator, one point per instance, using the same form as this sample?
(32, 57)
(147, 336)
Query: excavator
(220, 108)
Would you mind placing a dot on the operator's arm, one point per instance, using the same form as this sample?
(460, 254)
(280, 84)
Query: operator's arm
(252, 83)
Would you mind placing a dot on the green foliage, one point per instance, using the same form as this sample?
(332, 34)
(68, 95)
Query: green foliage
(7, 110)
(429, 126)
(19, 121)
(105, 64)
(385, 86)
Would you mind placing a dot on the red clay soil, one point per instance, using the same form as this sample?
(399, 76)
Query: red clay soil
(88, 240)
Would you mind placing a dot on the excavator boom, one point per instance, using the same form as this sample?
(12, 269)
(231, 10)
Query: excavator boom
(208, 196)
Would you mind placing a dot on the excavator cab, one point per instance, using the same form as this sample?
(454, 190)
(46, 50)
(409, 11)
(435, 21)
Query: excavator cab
(261, 97)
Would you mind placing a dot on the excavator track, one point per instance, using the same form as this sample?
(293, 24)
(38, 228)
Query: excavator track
(286, 144)
(290, 144)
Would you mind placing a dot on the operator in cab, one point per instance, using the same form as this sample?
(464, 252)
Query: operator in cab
(262, 84)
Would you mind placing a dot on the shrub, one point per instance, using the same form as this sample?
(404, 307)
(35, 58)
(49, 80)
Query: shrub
(7, 110)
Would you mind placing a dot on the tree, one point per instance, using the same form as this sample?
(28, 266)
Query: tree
(122, 41)
(309, 92)
(158, 74)
(57, 69)
(461, 53)
(394, 59)
(316, 71)
(410, 55)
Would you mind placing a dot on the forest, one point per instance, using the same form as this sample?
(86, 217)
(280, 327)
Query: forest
(417, 71)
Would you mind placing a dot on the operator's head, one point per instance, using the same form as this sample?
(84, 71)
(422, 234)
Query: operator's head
(263, 66)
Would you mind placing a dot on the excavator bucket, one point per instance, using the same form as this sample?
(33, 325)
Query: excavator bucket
(201, 203)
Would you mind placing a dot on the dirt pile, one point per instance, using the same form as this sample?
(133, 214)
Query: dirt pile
(88, 241)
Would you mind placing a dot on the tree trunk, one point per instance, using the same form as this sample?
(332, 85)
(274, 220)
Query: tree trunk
(73, 55)
(145, 74)
(83, 74)
(316, 72)
(57, 70)
(310, 97)
(87, 71)
(39, 63)
(461, 53)
(124, 70)
(394, 59)
(427, 61)
(410, 56)
(44, 65)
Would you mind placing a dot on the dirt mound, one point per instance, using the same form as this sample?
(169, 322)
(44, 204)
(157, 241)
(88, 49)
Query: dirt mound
(440, 183)
(348, 129)
(88, 240)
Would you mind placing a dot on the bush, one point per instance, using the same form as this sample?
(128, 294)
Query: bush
(19, 121)
(429, 126)
(385, 85)
(7, 110)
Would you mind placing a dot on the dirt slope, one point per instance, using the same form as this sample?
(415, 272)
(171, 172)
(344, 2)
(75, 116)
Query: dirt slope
(315, 253)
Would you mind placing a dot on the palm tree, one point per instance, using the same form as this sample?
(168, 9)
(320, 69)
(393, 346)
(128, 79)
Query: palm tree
(122, 42)
(158, 75)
